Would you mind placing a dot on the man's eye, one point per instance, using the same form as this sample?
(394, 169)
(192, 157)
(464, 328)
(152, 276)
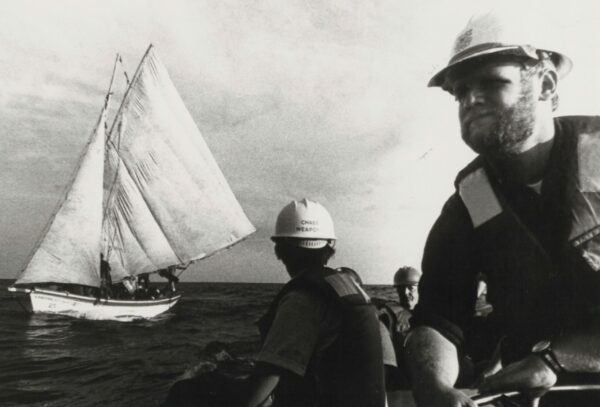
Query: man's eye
(459, 92)
(492, 83)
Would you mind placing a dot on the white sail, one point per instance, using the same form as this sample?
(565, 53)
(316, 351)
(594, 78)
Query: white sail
(69, 251)
(167, 201)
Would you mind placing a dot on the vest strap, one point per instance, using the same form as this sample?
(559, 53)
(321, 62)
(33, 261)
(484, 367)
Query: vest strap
(344, 286)
(478, 196)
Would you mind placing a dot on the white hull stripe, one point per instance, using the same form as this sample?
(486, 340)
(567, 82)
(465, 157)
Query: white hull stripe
(106, 302)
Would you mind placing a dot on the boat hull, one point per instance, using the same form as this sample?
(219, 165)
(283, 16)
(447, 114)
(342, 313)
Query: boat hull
(78, 306)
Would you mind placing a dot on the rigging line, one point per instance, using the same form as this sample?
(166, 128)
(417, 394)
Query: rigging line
(113, 183)
(106, 105)
(124, 71)
(110, 85)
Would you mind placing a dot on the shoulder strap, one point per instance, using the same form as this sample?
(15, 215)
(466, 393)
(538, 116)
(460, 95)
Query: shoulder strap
(484, 203)
(347, 289)
(479, 198)
(331, 284)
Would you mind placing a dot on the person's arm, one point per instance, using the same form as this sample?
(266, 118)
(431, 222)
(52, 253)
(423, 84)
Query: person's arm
(446, 302)
(433, 365)
(261, 389)
(577, 352)
(288, 346)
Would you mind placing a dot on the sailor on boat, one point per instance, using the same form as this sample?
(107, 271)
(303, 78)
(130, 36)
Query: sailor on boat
(105, 279)
(321, 340)
(395, 316)
(525, 214)
(169, 274)
(131, 284)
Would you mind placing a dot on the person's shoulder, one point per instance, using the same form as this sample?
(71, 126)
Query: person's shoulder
(306, 304)
(302, 295)
(453, 210)
(454, 204)
(453, 222)
(474, 165)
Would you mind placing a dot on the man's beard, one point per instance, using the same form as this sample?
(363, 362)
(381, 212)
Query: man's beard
(512, 127)
(408, 303)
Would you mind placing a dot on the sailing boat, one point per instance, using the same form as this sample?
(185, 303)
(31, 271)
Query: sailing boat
(148, 195)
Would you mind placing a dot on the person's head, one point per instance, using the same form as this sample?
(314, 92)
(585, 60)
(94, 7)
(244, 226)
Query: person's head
(505, 83)
(304, 235)
(406, 282)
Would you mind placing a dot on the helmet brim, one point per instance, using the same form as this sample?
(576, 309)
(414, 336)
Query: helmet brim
(306, 243)
(562, 63)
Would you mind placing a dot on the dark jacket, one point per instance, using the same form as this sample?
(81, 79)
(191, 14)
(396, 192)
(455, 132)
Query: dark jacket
(349, 371)
(539, 253)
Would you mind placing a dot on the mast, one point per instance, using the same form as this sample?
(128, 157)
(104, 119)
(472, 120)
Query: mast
(109, 93)
(107, 99)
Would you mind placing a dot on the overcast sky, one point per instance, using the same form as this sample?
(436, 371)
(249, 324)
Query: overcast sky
(318, 99)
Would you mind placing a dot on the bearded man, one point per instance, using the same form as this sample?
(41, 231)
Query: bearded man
(526, 215)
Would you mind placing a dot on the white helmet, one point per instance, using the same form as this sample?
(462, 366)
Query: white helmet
(496, 32)
(307, 222)
(407, 275)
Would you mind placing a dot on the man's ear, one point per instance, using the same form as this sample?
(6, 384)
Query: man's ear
(549, 80)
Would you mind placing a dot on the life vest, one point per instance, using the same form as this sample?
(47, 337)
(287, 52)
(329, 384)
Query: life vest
(395, 317)
(530, 288)
(350, 372)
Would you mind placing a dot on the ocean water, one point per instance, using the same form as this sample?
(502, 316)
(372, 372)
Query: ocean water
(52, 360)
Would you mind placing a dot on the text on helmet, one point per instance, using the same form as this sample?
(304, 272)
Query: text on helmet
(306, 229)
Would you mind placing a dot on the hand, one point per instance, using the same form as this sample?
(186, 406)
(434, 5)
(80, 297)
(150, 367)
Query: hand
(443, 397)
(530, 374)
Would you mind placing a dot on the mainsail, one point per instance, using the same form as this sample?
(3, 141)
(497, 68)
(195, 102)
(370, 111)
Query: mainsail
(148, 196)
(167, 202)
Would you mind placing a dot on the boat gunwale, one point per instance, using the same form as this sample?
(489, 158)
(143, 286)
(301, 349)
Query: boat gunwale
(105, 301)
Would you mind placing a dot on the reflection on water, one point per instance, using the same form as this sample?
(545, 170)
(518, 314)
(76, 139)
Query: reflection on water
(43, 333)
